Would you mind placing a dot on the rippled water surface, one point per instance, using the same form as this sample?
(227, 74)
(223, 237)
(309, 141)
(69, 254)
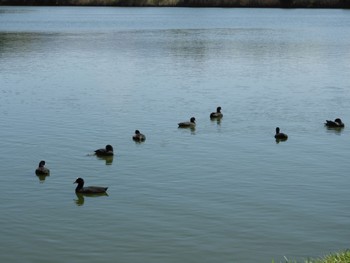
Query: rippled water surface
(75, 79)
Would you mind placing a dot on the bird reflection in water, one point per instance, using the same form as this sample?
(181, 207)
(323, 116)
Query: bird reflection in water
(107, 159)
(42, 177)
(81, 197)
(217, 120)
(280, 140)
(336, 130)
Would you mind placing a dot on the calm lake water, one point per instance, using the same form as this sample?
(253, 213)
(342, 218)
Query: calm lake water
(75, 79)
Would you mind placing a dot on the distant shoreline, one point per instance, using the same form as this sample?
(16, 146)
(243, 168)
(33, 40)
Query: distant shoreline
(187, 3)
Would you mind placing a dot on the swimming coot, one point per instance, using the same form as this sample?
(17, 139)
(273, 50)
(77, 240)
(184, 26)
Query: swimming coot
(188, 124)
(279, 135)
(139, 137)
(108, 151)
(217, 114)
(42, 170)
(337, 123)
(89, 189)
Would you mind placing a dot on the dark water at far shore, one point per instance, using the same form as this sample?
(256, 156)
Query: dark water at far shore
(187, 3)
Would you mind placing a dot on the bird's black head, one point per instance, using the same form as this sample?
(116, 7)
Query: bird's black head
(79, 181)
(338, 120)
(109, 148)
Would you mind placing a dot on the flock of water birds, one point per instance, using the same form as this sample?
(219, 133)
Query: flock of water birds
(41, 170)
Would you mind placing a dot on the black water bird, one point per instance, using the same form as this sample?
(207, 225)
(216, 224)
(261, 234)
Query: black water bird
(138, 137)
(217, 114)
(188, 124)
(107, 151)
(280, 135)
(337, 123)
(88, 189)
(42, 170)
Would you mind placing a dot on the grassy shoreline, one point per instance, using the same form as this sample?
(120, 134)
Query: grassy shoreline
(339, 257)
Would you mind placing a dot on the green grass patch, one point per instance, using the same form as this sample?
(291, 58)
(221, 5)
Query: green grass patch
(340, 257)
